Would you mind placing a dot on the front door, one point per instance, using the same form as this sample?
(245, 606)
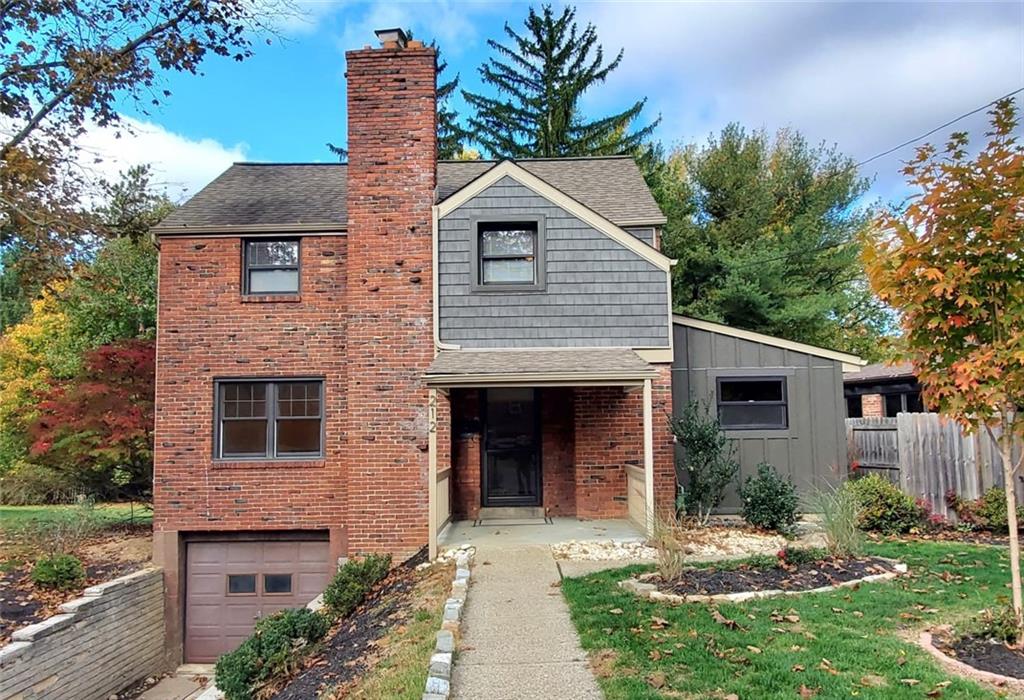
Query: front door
(511, 449)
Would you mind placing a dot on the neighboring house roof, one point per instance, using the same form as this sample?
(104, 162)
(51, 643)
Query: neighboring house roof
(311, 196)
(571, 366)
(848, 360)
(880, 371)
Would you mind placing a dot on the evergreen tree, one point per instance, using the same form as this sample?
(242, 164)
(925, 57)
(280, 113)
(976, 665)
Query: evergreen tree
(766, 233)
(540, 77)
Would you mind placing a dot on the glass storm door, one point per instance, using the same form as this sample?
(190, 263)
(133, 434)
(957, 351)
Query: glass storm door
(511, 454)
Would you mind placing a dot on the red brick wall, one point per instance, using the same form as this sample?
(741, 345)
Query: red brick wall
(872, 406)
(465, 454)
(558, 453)
(391, 178)
(207, 330)
(609, 434)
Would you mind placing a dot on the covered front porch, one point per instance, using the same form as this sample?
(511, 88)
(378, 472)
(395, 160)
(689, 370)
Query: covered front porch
(545, 437)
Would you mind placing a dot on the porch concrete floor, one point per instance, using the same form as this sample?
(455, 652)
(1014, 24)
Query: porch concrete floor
(560, 530)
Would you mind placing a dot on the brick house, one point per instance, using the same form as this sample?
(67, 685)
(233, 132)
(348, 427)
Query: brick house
(349, 357)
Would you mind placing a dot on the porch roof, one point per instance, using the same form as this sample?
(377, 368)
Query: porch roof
(538, 367)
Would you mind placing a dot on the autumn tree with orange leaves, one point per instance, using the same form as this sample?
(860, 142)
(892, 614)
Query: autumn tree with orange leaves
(952, 263)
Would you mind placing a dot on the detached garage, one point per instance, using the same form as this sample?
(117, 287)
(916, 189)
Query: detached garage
(780, 401)
(230, 584)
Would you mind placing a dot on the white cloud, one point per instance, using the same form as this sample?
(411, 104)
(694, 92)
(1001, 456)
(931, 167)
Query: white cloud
(180, 164)
(865, 76)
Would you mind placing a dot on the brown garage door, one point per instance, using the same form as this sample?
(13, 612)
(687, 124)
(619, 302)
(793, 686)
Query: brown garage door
(230, 585)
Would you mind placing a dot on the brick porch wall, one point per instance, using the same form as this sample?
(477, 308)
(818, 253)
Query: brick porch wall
(588, 434)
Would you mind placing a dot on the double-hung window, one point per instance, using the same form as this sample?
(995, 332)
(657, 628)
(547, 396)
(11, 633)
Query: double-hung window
(271, 267)
(509, 255)
(751, 403)
(269, 419)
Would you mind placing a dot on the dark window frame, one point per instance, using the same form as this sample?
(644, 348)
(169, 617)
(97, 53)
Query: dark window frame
(270, 453)
(255, 585)
(784, 402)
(539, 273)
(291, 583)
(247, 267)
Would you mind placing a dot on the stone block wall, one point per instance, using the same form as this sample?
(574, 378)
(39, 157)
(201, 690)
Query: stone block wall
(100, 644)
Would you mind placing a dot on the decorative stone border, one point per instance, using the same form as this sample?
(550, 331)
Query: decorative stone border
(439, 675)
(651, 592)
(925, 641)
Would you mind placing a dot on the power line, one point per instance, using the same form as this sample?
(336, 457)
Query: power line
(939, 128)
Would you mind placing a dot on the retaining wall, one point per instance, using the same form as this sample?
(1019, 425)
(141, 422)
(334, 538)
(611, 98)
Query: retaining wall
(99, 644)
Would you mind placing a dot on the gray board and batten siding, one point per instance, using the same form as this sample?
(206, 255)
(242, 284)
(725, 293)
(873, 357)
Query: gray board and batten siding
(812, 449)
(596, 291)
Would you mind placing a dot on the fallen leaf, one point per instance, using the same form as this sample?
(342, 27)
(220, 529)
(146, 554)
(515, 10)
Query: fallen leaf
(873, 681)
(654, 655)
(806, 692)
(909, 681)
(798, 668)
(657, 680)
(753, 650)
(616, 611)
(723, 620)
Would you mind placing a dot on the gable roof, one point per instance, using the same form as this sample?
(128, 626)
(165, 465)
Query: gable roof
(880, 371)
(849, 361)
(311, 196)
(512, 169)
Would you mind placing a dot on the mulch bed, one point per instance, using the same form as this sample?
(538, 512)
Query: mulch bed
(988, 655)
(802, 577)
(348, 651)
(22, 604)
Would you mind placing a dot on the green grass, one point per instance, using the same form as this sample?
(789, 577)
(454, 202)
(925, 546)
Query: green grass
(849, 643)
(108, 514)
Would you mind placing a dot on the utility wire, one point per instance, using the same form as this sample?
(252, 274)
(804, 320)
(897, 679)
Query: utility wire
(939, 128)
(925, 135)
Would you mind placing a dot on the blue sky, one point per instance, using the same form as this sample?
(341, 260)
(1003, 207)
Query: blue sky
(864, 76)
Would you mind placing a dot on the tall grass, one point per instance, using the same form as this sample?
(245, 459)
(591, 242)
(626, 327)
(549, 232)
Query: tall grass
(839, 509)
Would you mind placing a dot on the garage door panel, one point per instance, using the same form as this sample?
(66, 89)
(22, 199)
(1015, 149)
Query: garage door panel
(216, 622)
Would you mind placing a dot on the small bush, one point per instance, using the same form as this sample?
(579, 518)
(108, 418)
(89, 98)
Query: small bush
(884, 508)
(61, 533)
(59, 571)
(985, 513)
(769, 501)
(997, 623)
(840, 511)
(352, 582)
(275, 648)
(667, 541)
(707, 459)
(795, 556)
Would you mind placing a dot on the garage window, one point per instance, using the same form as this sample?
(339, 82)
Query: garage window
(277, 583)
(269, 419)
(752, 403)
(241, 584)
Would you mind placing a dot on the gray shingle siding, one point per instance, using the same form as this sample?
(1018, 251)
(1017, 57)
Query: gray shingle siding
(598, 292)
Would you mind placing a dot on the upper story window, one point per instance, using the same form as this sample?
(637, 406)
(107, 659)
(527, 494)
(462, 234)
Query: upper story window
(509, 255)
(271, 267)
(269, 419)
(750, 403)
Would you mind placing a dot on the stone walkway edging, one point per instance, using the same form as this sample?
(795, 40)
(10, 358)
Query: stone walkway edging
(439, 673)
(651, 592)
(926, 642)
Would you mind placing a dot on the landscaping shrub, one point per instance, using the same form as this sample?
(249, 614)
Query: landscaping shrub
(769, 501)
(839, 509)
(275, 648)
(667, 541)
(884, 508)
(61, 533)
(59, 571)
(707, 459)
(795, 556)
(998, 623)
(352, 582)
(985, 513)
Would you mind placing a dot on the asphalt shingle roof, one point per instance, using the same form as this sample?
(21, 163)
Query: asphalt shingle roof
(290, 194)
(610, 361)
(878, 371)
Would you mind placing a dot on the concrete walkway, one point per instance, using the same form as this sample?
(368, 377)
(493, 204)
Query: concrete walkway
(517, 639)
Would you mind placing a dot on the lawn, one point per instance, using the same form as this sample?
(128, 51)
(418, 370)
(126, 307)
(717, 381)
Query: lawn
(845, 644)
(108, 514)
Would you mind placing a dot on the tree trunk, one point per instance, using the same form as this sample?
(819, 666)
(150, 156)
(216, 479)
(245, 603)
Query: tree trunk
(1009, 486)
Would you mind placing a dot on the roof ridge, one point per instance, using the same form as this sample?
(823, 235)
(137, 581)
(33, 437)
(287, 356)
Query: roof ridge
(270, 164)
(533, 160)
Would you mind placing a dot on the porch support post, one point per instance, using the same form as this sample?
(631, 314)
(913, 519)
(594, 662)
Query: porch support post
(432, 472)
(649, 455)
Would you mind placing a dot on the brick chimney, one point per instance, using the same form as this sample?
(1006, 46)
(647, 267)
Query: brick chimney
(392, 165)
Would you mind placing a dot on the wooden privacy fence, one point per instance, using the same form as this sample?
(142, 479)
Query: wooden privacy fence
(927, 456)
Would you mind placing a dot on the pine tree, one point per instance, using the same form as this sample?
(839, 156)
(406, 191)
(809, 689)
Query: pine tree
(540, 78)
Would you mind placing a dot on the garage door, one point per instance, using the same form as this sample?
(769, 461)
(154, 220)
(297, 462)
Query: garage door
(230, 585)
